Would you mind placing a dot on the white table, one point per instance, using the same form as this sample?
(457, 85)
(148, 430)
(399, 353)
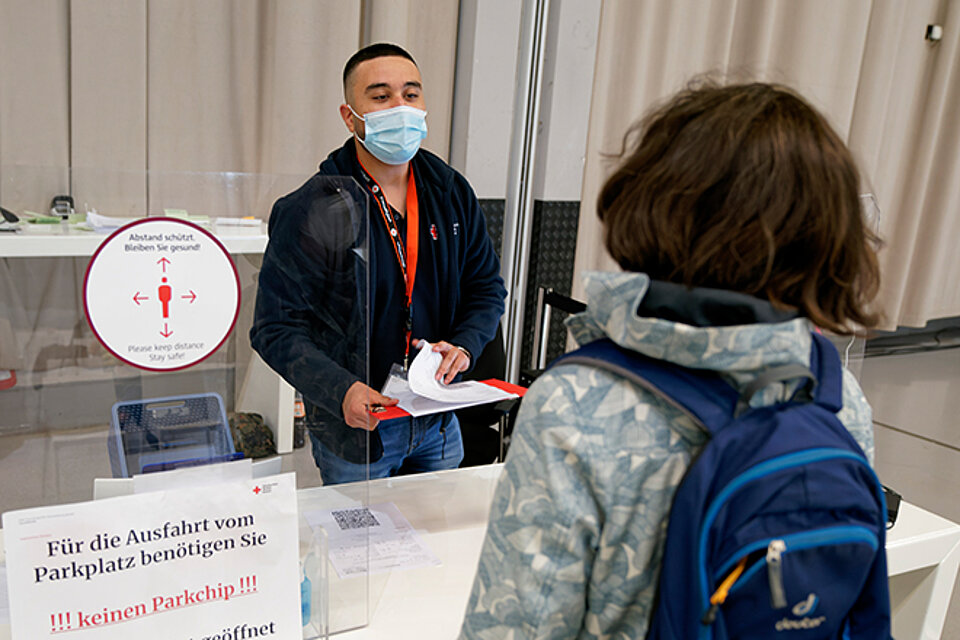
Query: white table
(923, 556)
(450, 510)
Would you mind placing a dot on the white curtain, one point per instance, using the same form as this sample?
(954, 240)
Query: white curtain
(864, 63)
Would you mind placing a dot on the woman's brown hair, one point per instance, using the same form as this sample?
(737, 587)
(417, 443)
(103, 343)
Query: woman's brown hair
(745, 188)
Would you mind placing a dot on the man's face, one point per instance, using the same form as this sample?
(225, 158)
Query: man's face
(381, 83)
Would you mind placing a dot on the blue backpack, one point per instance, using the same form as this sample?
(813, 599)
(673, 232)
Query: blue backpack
(777, 530)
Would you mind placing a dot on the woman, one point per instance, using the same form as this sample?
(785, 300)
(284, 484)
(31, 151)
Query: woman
(736, 217)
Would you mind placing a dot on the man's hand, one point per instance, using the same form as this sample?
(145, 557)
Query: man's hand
(357, 404)
(454, 361)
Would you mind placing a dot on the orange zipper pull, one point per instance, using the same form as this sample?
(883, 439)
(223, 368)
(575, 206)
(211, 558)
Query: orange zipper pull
(720, 595)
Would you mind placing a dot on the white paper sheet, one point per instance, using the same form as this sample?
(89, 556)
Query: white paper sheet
(377, 538)
(422, 394)
(420, 406)
(188, 477)
(106, 223)
(207, 558)
(423, 381)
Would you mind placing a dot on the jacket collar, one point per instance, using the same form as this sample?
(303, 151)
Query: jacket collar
(703, 329)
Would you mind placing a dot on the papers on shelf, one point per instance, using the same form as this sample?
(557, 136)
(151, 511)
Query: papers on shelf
(106, 223)
(379, 533)
(422, 394)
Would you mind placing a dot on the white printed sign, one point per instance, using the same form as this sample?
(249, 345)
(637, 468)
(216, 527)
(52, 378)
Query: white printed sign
(212, 561)
(161, 294)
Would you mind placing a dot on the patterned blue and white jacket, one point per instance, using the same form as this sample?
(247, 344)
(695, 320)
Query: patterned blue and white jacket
(579, 517)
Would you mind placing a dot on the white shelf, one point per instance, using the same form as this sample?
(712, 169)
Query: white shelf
(58, 240)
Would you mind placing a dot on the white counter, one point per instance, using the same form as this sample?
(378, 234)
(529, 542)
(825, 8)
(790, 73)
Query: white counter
(450, 509)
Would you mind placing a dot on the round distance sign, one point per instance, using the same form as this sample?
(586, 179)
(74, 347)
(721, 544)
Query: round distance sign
(161, 294)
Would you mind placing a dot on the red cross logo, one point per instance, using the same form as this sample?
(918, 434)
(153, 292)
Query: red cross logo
(257, 490)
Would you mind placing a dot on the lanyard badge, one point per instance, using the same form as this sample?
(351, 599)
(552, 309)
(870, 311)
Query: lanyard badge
(404, 251)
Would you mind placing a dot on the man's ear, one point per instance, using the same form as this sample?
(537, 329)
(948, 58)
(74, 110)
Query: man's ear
(347, 116)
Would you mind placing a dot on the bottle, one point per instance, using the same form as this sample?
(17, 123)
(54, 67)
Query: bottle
(299, 421)
(306, 594)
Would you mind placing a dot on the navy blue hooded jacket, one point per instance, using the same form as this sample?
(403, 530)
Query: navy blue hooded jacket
(311, 318)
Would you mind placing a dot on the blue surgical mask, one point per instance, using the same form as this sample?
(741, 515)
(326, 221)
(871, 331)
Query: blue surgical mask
(393, 136)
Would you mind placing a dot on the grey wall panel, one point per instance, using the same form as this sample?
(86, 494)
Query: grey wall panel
(554, 241)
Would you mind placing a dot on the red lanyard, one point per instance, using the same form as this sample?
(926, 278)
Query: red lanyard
(406, 259)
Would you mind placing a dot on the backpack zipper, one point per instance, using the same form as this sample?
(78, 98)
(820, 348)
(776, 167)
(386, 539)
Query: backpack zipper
(773, 559)
(720, 595)
(778, 595)
(757, 472)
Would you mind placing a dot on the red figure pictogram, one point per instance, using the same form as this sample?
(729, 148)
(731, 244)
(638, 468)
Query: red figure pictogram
(166, 293)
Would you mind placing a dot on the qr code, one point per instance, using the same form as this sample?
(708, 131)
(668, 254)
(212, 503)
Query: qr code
(355, 518)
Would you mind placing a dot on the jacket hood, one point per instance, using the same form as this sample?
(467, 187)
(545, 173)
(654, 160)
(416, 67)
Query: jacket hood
(752, 335)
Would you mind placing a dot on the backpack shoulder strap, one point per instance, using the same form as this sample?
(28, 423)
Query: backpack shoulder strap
(825, 365)
(701, 395)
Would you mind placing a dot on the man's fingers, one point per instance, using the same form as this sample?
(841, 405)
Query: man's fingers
(458, 366)
(458, 362)
(378, 399)
(447, 365)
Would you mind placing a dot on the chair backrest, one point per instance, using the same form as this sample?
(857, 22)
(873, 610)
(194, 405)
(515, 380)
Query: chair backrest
(547, 300)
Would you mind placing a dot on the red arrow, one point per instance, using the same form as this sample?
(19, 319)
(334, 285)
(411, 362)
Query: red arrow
(164, 262)
(137, 298)
(166, 333)
(191, 297)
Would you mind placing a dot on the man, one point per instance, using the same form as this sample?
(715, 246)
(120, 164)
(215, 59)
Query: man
(433, 275)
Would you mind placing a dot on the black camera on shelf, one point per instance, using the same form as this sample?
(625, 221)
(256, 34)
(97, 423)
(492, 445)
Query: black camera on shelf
(61, 206)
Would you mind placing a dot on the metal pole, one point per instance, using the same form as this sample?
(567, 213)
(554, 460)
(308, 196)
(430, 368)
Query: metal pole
(518, 213)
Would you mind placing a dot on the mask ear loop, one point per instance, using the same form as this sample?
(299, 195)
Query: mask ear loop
(360, 118)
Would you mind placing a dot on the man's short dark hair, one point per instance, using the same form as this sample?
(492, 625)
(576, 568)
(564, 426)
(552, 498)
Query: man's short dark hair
(371, 51)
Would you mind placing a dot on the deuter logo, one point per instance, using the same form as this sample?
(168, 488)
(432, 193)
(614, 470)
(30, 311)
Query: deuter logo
(806, 607)
(803, 623)
(801, 609)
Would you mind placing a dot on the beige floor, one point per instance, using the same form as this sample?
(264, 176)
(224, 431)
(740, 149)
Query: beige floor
(916, 401)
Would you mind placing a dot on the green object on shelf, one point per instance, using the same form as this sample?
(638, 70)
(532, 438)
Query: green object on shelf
(182, 214)
(35, 218)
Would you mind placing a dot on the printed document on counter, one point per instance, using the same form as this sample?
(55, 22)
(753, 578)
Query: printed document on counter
(378, 532)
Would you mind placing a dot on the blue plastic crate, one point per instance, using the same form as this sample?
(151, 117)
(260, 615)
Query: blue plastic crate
(165, 433)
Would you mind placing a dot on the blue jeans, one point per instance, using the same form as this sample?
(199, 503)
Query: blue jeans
(410, 445)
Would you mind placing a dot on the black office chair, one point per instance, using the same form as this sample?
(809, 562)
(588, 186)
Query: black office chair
(547, 301)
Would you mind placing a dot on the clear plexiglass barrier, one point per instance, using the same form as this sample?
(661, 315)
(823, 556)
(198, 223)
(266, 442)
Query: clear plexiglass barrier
(126, 306)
